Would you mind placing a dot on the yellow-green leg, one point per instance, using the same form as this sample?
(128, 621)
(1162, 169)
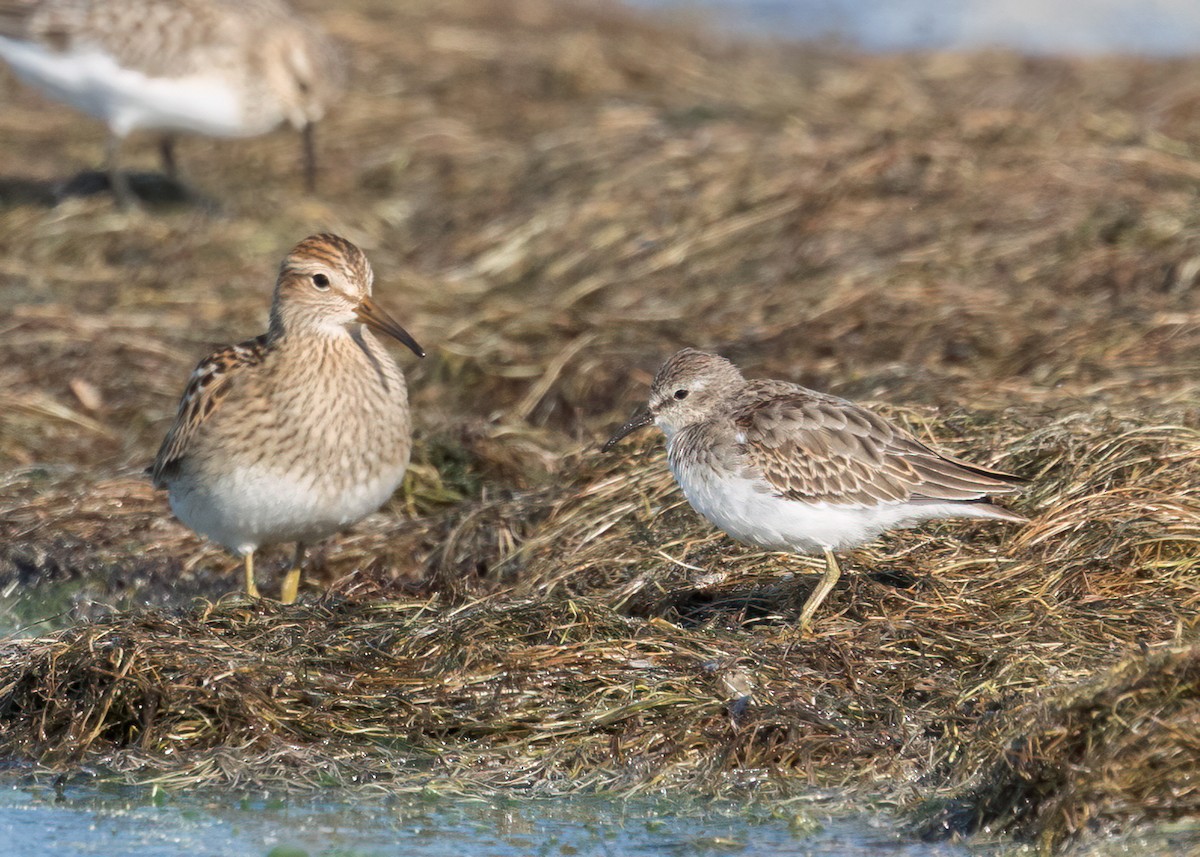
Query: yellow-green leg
(251, 588)
(291, 581)
(832, 572)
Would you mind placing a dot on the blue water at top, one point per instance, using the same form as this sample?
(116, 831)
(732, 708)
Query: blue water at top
(1147, 27)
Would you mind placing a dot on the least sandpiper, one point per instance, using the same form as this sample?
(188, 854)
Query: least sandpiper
(299, 432)
(227, 68)
(786, 468)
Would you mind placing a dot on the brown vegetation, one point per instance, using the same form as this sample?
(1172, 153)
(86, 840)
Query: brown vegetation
(555, 197)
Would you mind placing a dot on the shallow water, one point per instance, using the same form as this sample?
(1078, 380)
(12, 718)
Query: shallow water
(1152, 27)
(36, 820)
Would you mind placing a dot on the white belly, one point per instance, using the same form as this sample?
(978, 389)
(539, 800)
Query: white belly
(127, 99)
(253, 507)
(743, 509)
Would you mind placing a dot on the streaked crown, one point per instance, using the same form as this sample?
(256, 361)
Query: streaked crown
(324, 288)
(690, 387)
(321, 283)
(329, 252)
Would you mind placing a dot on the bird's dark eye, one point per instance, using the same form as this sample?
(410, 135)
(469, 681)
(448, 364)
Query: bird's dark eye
(320, 281)
(681, 394)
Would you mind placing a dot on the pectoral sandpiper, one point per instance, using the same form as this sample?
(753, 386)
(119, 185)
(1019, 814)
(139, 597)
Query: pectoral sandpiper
(779, 466)
(299, 432)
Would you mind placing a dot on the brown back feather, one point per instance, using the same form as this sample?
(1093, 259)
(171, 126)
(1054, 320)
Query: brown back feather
(209, 384)
(14, 18)
(817, 448)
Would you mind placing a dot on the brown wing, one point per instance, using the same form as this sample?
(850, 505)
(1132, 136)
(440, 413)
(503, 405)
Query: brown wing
(207, 387)
(140, 34)
(57, 25)
(14, 17)
(819, 448)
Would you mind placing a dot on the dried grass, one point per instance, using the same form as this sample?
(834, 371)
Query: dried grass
(1005, 249)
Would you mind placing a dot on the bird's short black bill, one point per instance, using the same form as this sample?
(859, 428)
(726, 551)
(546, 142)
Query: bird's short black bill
(642, 418)
(375, 316)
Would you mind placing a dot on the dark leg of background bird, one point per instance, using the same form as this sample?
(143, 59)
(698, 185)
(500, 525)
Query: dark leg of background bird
(251, 586)
(828, 580)
(308, 137)
(166, 148)
(291, 581)
(118, 182)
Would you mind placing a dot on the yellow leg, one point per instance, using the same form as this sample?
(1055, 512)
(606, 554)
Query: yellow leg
(291, 581)
(832, 572)
(251, 588)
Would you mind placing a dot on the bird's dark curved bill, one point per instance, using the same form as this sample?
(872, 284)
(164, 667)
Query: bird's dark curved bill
(375, 316)
(642, 418)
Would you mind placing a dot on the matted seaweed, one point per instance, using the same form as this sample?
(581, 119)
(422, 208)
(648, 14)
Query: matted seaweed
(555, 197)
